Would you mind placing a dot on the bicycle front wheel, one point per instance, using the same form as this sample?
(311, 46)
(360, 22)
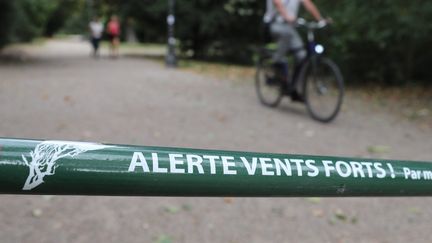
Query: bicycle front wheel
(268, 83)
(323, 88)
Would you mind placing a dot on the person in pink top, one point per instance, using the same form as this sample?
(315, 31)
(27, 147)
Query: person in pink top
(113, 30)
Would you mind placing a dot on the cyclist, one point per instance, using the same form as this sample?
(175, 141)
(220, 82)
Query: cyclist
(281, 16)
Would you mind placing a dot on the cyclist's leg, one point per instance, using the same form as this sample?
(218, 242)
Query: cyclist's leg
(300, 54)
(296, 45)
(282, 36)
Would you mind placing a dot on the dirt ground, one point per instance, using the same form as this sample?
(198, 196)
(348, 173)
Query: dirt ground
(56, 91)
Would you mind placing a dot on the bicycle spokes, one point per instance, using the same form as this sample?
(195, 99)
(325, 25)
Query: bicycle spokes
(323, 90)
(268, 83)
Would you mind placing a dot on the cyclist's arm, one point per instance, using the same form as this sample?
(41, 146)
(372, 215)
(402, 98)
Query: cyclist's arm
(282, 11)
(312, 9)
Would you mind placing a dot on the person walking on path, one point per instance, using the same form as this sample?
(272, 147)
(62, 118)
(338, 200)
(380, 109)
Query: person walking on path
(96, 29)
(113, 30)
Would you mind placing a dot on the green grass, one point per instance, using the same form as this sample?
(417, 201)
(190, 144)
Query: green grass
(223, 71)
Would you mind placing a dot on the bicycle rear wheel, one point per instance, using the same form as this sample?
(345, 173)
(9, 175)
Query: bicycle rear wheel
(268, 83)
(323, 88)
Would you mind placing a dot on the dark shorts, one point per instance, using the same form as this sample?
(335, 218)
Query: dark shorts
(111, 37)
(95, 43)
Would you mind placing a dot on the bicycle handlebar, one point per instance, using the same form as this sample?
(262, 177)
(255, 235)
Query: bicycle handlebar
(312, 24)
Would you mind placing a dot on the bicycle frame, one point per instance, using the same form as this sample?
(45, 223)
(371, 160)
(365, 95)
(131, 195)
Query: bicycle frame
(313, 49)
(296, 83)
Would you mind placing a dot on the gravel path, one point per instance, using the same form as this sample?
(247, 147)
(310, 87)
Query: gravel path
(58, 92)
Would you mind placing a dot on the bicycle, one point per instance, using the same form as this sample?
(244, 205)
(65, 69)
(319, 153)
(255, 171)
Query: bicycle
(318, 83)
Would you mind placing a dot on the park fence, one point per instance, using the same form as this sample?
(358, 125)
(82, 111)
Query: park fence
(78, 168)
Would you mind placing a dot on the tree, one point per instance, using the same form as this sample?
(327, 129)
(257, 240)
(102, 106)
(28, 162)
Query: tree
(23, 20)
(46, 154)
(385, 41)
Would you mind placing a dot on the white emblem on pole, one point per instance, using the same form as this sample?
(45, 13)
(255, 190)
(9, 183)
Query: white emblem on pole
(44, 157)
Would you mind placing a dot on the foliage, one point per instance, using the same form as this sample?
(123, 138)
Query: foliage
(23, 20)
(383, 41)
(59, 16)
(219, 29)
(7, 15)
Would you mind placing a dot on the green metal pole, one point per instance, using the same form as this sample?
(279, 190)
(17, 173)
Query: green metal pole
(75, 168)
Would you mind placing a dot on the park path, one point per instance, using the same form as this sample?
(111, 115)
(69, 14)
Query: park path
(58, 92)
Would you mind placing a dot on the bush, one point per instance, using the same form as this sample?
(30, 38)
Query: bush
(384, 41)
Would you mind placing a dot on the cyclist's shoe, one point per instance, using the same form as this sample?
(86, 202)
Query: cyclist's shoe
(296, 96)
(278, 75)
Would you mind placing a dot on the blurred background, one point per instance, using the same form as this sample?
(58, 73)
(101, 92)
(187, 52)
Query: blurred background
(386, 42)
(51, 87)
